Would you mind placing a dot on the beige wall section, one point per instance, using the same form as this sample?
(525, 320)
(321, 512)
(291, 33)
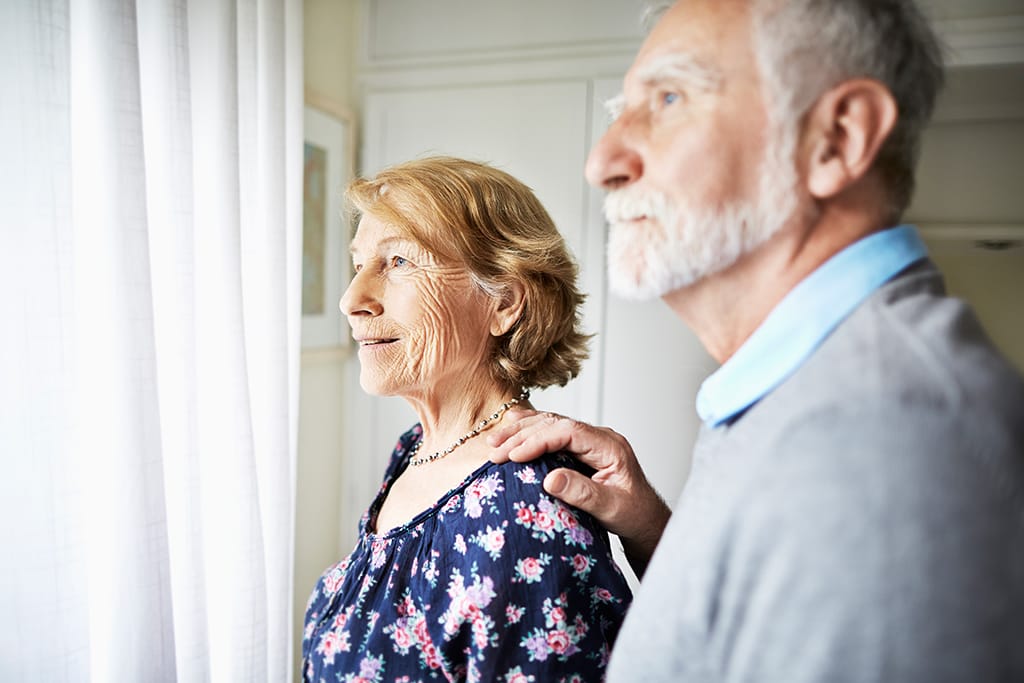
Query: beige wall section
(331, 31)
(329, 61)
(991, 279)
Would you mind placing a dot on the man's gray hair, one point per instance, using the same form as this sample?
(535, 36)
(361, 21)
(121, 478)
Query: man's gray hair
(806, 47)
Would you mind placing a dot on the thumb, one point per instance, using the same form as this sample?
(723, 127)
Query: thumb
(575, 489)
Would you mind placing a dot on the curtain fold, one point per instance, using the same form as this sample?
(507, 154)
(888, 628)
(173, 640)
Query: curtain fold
(149, 338)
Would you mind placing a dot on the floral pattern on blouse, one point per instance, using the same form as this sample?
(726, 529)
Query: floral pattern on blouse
(497, 582)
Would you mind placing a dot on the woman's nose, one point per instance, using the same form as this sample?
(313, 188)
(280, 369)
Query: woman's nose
(362, 296)
(614, 161)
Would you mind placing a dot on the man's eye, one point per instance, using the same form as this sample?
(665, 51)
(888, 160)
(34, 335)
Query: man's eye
(669, 97)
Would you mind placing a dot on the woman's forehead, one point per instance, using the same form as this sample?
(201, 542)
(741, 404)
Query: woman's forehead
(374, 234)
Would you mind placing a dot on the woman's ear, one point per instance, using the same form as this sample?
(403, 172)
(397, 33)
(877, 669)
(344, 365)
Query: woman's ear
(845, 129)
(509, 309)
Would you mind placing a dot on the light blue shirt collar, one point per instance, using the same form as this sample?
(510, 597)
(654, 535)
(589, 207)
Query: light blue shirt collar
(803, 320)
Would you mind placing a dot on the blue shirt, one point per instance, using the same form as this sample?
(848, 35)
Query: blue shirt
(804, 319)
(498, 581)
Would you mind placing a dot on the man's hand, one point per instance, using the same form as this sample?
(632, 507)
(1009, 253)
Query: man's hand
(618, 495)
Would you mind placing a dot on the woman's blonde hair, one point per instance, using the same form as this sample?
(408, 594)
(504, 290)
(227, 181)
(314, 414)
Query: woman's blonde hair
(484, 219)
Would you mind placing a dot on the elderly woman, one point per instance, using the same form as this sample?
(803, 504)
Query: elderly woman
(463, 298)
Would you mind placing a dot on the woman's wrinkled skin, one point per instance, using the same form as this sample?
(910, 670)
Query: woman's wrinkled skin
(425, 332)
(420, 325)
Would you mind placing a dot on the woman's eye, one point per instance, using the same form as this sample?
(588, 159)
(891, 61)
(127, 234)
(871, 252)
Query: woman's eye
(398, 261)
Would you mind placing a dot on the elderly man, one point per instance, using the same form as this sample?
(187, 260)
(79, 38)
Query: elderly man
(855, 509)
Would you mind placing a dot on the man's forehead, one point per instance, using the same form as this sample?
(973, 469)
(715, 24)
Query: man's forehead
(698, 41)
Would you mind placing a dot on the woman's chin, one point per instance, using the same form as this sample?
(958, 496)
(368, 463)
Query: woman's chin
(374, 386)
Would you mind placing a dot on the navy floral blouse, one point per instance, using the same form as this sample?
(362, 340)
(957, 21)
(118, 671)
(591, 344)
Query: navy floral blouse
(497, 582)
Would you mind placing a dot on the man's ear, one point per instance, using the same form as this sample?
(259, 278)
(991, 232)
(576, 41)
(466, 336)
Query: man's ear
(843, 132)
(509, 309)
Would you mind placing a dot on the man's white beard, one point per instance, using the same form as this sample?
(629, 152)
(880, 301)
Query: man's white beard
(676, 247)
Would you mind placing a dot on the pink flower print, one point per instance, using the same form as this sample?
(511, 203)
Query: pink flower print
(406, 606)
(430, 572)
(473, 507)
(530, 569)
(513, 613)
(430, 656)
(516, 675)
(480, 491)
(495, 540)
(524, 515)
(481, 636)
(602, 594)
(544, 522)
(581, 626)
(331, 643)
(580, 565)
(334, 578)
(492, 540)
(566, 518)
(460, 544)
(451, 504)
(419, 629)
(558, 641)
(527, 475)
(377, 553)
(402, 639)
(556, 616)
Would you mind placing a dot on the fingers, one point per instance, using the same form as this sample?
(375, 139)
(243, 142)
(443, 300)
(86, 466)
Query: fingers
(527, 434)
(575, 489)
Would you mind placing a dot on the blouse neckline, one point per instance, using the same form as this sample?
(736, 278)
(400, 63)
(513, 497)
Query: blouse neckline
(425, 514)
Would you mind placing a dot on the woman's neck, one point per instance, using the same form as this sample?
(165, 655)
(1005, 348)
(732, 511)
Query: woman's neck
(452, 414)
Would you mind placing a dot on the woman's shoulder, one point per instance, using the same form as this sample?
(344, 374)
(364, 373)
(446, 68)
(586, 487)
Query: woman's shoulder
(514, 493)
(532, 473)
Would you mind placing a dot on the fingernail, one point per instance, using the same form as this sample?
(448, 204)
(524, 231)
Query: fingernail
(555, 483)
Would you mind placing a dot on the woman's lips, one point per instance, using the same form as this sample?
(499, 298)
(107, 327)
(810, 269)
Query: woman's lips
(374, 342)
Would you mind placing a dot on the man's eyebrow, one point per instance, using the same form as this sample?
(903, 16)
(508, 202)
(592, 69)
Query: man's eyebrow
(679, 69)
(682, 69)
(614, 106)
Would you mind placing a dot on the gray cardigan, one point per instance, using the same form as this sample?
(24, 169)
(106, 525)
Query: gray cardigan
(862, 522)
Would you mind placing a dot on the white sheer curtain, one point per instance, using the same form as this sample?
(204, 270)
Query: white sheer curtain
(149, 329)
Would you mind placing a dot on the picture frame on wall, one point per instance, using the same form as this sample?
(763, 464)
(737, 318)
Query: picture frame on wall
(328, 161)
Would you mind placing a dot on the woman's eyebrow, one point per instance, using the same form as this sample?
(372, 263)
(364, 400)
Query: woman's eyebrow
(384, 244)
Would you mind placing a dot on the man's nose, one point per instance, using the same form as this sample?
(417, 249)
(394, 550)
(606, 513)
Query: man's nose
(614, 161)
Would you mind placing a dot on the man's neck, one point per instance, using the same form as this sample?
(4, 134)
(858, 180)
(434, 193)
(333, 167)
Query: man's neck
(724, 309)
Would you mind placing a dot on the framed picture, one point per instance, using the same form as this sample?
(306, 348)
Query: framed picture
(328, 166)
